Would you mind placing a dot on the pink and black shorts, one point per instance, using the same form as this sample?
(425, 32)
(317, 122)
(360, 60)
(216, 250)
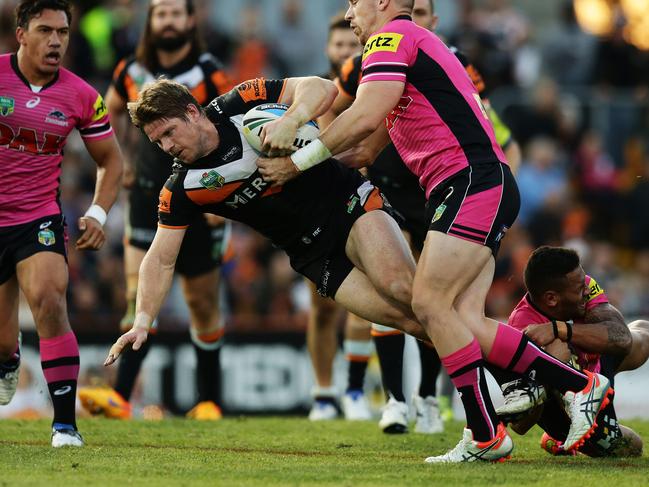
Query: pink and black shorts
(478, 204)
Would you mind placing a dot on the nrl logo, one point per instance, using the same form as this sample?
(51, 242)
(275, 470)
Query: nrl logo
(6, 106)
(212, 180)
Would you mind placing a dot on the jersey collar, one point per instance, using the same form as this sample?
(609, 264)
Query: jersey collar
(14, 66)
(528, 298)
(402, 17)
(230, 148)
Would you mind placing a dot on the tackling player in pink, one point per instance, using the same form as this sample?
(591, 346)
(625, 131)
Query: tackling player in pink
(415, 92)
(526, 313)
(435, 140)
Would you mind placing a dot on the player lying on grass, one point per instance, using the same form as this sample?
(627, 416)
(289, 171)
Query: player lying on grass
(568, 313)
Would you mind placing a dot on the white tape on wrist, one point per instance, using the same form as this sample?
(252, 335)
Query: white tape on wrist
(310, 155)
(98, 213)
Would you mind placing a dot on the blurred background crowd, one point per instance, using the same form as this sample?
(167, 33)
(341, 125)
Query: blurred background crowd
(570, 78)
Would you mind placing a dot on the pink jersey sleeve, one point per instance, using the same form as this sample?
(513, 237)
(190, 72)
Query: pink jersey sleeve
(387, 55)
(596, 295)
(94, 123)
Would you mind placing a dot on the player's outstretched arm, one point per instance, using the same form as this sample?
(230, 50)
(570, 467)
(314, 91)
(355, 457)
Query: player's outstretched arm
(108, 158)
(154, 282)
(116, 106)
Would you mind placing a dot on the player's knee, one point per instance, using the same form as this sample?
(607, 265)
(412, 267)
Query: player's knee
(413, 328)
(471, 313)
(396, 285)
(640, 327)
(324, 314)
(48, 308)
(429, 306)
(202, 308)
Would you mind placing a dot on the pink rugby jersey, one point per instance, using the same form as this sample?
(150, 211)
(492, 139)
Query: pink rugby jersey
(34, 127)
(526, 314)
(439, 126)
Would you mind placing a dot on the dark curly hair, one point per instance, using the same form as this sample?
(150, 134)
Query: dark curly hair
(547, 268)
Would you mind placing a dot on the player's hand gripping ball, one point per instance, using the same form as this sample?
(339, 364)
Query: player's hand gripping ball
(281, 137)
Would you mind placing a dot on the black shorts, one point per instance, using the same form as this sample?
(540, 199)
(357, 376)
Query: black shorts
(609, 364)
(203, 247)
(18, 242)
(408, 200)
(478, 204)
(319, 255)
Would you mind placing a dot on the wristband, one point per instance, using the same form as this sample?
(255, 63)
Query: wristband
(98, 213)
(569, 324)
(555, 328)
(310, 155)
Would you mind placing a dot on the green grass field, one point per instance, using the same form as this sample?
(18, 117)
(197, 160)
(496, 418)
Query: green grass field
(282, 451)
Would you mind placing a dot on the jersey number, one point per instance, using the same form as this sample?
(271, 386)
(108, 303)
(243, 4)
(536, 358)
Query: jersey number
(399, 110)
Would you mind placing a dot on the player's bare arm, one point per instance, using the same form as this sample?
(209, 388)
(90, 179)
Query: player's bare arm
(374, 102)
(367, 150)
(603, 331)
(116, 106)
(308, 98)
(154, 282)
(108, 158)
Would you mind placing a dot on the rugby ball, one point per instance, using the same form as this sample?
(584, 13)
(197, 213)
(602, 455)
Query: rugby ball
(257, 117)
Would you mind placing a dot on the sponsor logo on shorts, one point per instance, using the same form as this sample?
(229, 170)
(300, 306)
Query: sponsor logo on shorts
(45, 224)
(212, 180)
(46, 237)
(386, 41)
(323, 286)
(351, 204)
(308, 239)
(439, 211)
(501, 233)
(6, 106)
(57, 117)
